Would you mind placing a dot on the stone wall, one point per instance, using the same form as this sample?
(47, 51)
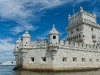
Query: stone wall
(70, 56)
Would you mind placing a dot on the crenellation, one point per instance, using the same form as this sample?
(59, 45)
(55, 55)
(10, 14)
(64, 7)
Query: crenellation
(76, 44)
(45, 42)
(88, 46)
(71, 44)
(33, 44)
(94, 47)
(61, 42)
(80, 46)
(39, 42)
(91, 46)
(97, 47)
(84, 45)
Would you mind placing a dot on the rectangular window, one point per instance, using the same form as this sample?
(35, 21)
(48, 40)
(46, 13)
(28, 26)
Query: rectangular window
(91, 29)
(54, 37)
(64, 59)
(32, 58)
(97, 60)
(77, 29)
(83, 59)
(71, 32)
(43, 59)
(83, 36)
(90, 60)
(74, 59)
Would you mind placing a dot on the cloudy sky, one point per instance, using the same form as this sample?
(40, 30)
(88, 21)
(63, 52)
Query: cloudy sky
(38, 16)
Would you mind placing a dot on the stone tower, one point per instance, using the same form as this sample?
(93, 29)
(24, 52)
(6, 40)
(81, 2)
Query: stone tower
(82, 28)
(17, 44)
(53, 41)
(53, 36)
(25, 40)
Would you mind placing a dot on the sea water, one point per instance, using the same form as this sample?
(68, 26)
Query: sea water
(7, 70)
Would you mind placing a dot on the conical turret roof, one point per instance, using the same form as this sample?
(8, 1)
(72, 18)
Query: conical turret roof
(18, 41)
(53, 31)
(26, 34)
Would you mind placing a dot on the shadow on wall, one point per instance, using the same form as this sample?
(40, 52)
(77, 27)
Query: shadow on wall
(91, 72)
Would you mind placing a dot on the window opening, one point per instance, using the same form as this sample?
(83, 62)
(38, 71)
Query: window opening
(64, 59)
(54, 37)
(74, 59)
(83, 59)
(32, 58)
(44, 59)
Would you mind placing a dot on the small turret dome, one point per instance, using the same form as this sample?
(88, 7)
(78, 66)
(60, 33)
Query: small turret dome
(53, 31)
(81, 9)
(18, 41)
(26, 35)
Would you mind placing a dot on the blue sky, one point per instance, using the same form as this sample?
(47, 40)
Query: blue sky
(38, 16)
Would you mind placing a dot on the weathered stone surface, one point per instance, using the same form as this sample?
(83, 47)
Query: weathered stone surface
(80, 50)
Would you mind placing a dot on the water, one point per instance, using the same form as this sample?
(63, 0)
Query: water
(7, 70)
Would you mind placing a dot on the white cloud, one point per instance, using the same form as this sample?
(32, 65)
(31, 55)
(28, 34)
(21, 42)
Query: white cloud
(6, 45)
(44, 35)
(28, 10)
(22, 28)
(13, 9)
(80, 1)
(6, 49)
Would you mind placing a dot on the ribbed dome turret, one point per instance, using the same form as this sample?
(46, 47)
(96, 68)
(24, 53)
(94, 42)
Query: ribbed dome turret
(53, 31)
(18, 41)
(26, 35)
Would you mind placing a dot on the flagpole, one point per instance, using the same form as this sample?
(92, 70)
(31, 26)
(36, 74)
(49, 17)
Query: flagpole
(73, 9)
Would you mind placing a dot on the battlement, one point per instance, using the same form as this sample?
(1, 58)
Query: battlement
(82, 17)
(84, 12)
(79, 46)
(83, 21)
(63, 44)
(39, 43)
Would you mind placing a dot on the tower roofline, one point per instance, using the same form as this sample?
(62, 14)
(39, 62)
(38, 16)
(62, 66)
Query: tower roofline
(84, 12)
(53, 31)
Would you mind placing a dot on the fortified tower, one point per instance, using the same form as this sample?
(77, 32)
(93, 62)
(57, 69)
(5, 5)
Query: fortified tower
(53, 41)
(82, 28)
(17, 44)
(53, 36)
(25, 40)
(25, 45)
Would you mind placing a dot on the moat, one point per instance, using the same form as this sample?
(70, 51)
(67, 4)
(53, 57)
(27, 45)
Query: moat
(7, 70)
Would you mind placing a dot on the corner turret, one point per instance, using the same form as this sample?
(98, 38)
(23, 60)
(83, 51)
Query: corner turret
(17, 44)
(53, 41)
(25, 40)
(81, 9)
(53, 36)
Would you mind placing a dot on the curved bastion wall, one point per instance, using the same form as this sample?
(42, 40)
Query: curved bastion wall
(68, 56)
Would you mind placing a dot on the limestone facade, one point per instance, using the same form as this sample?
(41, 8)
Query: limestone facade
(79, 50)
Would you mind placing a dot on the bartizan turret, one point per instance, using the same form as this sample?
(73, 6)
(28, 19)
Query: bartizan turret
(16, 49)
(25, 43)
(53, 41)
(25, 40)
